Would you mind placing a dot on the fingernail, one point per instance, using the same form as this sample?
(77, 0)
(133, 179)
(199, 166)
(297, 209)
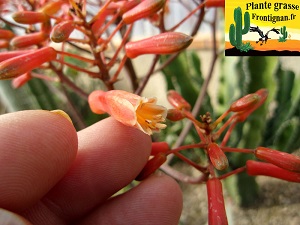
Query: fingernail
(62, 113)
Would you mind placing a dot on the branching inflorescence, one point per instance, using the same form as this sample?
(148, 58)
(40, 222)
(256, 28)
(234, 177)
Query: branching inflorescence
(40, 38)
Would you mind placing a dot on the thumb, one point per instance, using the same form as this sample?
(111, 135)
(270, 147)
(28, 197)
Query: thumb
(9, 218)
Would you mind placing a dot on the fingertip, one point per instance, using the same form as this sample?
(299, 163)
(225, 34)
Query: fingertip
(10, 218)
(36, 150)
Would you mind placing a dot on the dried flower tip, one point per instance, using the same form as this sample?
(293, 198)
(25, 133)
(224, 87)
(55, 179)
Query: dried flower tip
(62, 31)
(130, 109)
(215, 3)
(165, 43)
(143, 10)
(151, 166)
(11, 54)
(245, 103)
(177, 101)
(30, 17)
(217, 156)
(20, 80)
(159, 147)
(282, 159)
(19, 65)
(255, 168)
(175, 115)
(216, 206)
(6, 34)
(52, 7)
(28, 40)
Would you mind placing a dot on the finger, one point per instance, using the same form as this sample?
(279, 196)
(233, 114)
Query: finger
(157, 200)
(36, 150)
(110, 156)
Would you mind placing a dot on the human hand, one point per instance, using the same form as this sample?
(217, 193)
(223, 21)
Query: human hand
(44, 179)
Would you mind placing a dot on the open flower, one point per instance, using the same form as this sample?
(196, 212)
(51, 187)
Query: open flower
(130, 109)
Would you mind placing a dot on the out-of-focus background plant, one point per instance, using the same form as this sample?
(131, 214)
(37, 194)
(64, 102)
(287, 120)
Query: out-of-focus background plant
(209, 81)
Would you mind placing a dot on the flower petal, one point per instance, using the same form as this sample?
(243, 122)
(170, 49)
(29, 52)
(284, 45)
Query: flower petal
(121, 109)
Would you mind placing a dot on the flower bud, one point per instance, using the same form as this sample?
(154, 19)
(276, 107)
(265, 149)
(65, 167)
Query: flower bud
(216, 206)
(4, 44)
(30, 17)
(28, 40)
(11, 54)
(159, 147)
(128, 6)
(62, 31)
(177, 101)
(19, 65)
(215, 3)
(6, 34)
(21, 80)
(151, 166)
(164, 43)
(143, 10)
(52, 7)
(175, 115)
(244, 103)
(255, 168)
(282, 159)
(217, 156)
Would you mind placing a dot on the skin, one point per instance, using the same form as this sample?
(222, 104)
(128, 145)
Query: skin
(52, 175)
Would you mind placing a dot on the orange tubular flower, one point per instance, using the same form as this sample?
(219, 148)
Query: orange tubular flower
(216, 207)
(217, 156)
(165, 43)
(129, 109)
(19, 65)
(28, 39)
(6, 34)
(151, 166)
(144, 9)
(29, 17)
(62, 31)
(245, 103)
(21, 80)
(255, 168)
(176, 100)
(281, 159)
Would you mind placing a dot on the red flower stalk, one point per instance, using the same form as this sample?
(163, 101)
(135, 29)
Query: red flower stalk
(177, 101)
(217, 156)
(255, 168)
(175, 115)
(19, 65)
(245, 103)
(143, 10)
(6, 34)
(7, 55)
(159, 147)
(21, 80)
(62, 31)
(216, 206)
(165, 43)
(215, 3)
(28, 40)
(151, 166)
(30, 17)
(282, 159)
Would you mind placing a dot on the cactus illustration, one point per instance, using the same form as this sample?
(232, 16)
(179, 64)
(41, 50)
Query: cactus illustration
(284, 34)
(236, 32)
